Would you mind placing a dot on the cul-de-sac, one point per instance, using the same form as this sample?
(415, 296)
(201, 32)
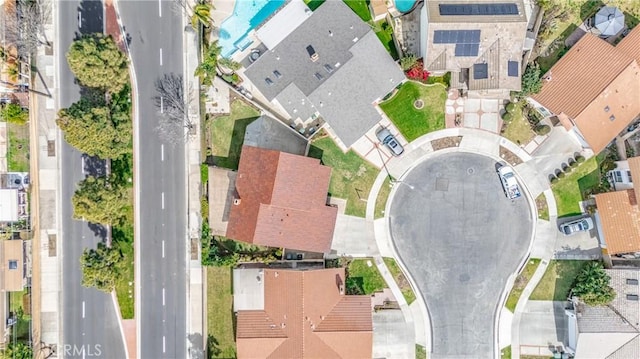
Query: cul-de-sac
(320, 179)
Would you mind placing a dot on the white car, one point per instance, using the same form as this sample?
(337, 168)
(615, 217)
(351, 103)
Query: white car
(509, 182)
(579, 225)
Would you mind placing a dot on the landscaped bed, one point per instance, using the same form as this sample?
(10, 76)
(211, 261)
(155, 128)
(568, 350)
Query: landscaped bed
(521, 282)
(518, 129)
(351, 177)
(226, 134)
(568, 191)
(383, 196)
(123, 239)
(557, 280)
(401, 280)
(220, 318)
(363, 276)
(18, 147)
(413, 122)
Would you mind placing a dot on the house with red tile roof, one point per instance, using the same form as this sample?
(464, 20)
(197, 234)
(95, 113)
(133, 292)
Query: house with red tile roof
(593, 89)
(300, 314)
(280, 200)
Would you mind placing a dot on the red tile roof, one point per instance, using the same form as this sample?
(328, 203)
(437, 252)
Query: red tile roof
(282, 201)
(306, 316)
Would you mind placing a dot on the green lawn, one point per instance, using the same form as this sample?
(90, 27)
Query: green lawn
(421, 352)
(381, 200)
(352, 176)
(543, 208)
(568, 191)
(123, 238)
(518, 130)
(402, 281)
(521, 281)
(367, 277)
(20, 331)
(386, 37)
(557, 280)
(226, 134)
(506, 353)
(412, 122)
(18, 147)
(220, 318)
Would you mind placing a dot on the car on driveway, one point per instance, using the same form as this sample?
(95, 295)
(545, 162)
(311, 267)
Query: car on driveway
(579, 225)
(387, 139)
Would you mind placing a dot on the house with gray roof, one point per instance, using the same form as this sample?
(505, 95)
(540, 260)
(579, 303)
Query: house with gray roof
(332, 67)
(609, 331)
(481, 42)
(271, 134)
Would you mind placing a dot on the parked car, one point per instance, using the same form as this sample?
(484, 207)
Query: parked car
(509, 182)
(387, 139)
(579, 225)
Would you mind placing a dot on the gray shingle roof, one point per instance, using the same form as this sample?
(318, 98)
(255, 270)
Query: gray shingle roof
(360, 71)
(271, 134)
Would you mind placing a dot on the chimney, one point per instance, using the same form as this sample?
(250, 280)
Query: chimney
(313, 55)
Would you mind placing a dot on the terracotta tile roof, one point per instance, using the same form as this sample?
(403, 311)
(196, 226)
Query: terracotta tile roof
(620, 221)
(630, 44)
(282, 201)
(596, 85)
(12, 251)
(306, 316)
(634, 168)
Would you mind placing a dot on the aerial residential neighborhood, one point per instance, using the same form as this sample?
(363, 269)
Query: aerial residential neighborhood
(320, 179)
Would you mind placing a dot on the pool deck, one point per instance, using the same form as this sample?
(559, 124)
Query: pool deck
(223, 9)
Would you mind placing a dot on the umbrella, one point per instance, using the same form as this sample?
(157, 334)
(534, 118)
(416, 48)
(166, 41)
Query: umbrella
(609, 20)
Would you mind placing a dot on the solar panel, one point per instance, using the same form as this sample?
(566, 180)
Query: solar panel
(478, 9)
(512, 68)
(480, 71)
(456, 36)
(467, 49)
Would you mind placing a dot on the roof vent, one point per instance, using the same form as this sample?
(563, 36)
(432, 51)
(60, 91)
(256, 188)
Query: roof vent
(606, 109)
(277, 74)
(268, 81)
(330, 33)
(612, 117)
(236, 201)
(259, 278)
(633, 297)
(631, 281)
(341, 288)
(318, 76)
(328, 68)
(355, 39)
(313, 55)
(275, 274)
(282, 325)
(272, 326)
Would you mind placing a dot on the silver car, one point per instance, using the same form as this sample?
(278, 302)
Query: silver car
(579, 225)
(387, 139)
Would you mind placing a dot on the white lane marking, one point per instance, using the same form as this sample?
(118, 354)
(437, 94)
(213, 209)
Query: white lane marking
(83, 308)
(161, 102)
(160, 56)
(163, 302)
(164, 345)
(162, 200)
(160, 8)
(79, 19)
(82, 158)
(163, 249)
(162, 153)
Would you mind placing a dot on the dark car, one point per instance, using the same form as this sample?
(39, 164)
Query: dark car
(387, 139)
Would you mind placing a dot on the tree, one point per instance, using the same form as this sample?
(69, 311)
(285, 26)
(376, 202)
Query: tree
(102, 200)
(201, 15)
(206, 70)
(592, 285)
(100, 267)
(96, 61)
(408, 62)
(228, 63)
(531, 80)
(15, 114)
(17, 351)
(91, 129)
(174, 104)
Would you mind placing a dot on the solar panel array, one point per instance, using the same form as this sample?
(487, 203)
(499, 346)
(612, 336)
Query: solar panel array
(479, 9)
(456, 37)
(480, 71)
(467, 49)
(512, 68)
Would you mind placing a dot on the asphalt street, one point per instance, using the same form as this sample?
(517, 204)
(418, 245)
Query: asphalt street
(155, 32)
(460, 238)
(89, 321)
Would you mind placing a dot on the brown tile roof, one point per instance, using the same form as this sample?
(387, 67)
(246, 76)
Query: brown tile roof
(620, 221)
(306, 316)
(634, 168)
(630, 44)
(282, 201)
(596, 85)
(12, 279)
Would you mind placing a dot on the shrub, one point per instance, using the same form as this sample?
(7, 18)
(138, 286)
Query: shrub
(580, 158)
(572, 163)
(531, 80)
(507, 116)
(543, 130)
(408, 62)
(204, 207)
(593, 285)
(553, 180)
(561, 174)
(15, 114)
(510, 107)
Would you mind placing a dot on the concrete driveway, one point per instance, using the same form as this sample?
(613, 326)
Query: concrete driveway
(543, 327)
(460, 238)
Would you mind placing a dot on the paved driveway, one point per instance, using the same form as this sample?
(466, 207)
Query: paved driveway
(460, 239)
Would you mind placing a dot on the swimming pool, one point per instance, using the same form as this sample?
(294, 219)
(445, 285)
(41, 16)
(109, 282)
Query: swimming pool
(247, 14)
(404, 5)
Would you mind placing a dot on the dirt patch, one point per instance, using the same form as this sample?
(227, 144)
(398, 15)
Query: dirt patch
(446, 142)
(509, 157)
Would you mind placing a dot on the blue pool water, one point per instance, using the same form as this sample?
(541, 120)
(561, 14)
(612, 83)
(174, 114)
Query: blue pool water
(404, 5)
(247, 14)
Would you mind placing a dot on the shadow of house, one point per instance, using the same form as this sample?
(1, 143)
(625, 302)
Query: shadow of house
(271, 134)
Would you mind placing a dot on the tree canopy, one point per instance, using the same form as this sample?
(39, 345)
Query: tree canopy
(102, 200)
(531, 80)
(206, 71)
(92, 130)
(17, 351)
(100, 267)
(15, 114)
(592, 285)
(96, 61)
